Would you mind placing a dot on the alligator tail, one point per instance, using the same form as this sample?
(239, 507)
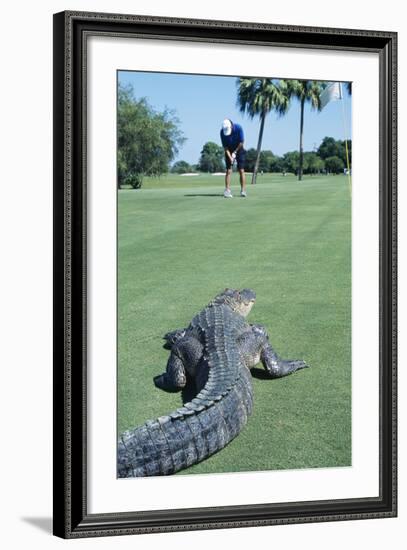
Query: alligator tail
(187, 436)
(202, 426)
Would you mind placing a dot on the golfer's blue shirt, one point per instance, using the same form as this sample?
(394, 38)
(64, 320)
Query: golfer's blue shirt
(236, 137)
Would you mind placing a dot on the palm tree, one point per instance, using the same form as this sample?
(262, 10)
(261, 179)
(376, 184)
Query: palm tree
(259, 96)
(306, 91)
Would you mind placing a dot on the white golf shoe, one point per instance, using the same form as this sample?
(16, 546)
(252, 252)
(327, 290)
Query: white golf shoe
(228, 194)
(243, 193)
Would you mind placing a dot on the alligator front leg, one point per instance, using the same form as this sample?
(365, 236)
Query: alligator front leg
(172, 337)
(277, 367)
(174, 378)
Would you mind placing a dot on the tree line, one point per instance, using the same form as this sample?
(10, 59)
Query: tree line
(148, 140)
(329, 157)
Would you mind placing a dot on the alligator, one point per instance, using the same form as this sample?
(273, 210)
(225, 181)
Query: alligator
(213, 356)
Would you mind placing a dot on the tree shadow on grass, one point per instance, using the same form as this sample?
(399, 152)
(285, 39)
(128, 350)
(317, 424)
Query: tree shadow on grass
(203, 195)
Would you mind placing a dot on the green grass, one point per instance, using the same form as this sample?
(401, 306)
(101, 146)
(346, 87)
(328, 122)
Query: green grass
(180, 243)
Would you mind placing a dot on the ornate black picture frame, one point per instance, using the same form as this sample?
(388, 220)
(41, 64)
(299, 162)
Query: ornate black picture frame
(71, 517)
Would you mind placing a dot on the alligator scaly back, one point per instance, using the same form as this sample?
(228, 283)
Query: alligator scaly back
(208, 422)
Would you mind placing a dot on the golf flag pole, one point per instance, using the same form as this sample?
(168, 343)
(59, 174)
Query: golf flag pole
(333, 92)
(346, 140)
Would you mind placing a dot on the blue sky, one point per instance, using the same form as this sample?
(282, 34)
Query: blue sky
(202, 102)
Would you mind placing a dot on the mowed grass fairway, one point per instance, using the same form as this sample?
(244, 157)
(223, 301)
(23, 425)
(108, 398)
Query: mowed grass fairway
(180, 243)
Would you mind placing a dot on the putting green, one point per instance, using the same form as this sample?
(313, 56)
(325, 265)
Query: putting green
(180, 243)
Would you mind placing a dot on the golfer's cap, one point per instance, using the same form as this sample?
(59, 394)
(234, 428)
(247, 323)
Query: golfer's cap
(227, 127)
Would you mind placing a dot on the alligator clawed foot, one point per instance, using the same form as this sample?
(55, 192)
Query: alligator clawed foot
(163, 383)
(298, 365)
(172, 338)
(159, 381)
(285, 367)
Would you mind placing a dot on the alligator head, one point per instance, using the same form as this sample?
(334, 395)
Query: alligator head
(240, 301)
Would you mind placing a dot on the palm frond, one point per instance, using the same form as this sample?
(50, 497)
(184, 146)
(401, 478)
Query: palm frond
(261, 95)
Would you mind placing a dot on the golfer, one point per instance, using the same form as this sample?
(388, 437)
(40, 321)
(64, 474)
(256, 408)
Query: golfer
(232, 140)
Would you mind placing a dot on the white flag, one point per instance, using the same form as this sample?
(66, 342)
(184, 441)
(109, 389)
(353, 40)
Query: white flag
(331, 93)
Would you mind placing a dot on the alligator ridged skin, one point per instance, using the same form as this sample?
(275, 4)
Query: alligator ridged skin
(219, 340)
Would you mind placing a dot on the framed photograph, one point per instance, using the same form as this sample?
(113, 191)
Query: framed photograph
(224, 274)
